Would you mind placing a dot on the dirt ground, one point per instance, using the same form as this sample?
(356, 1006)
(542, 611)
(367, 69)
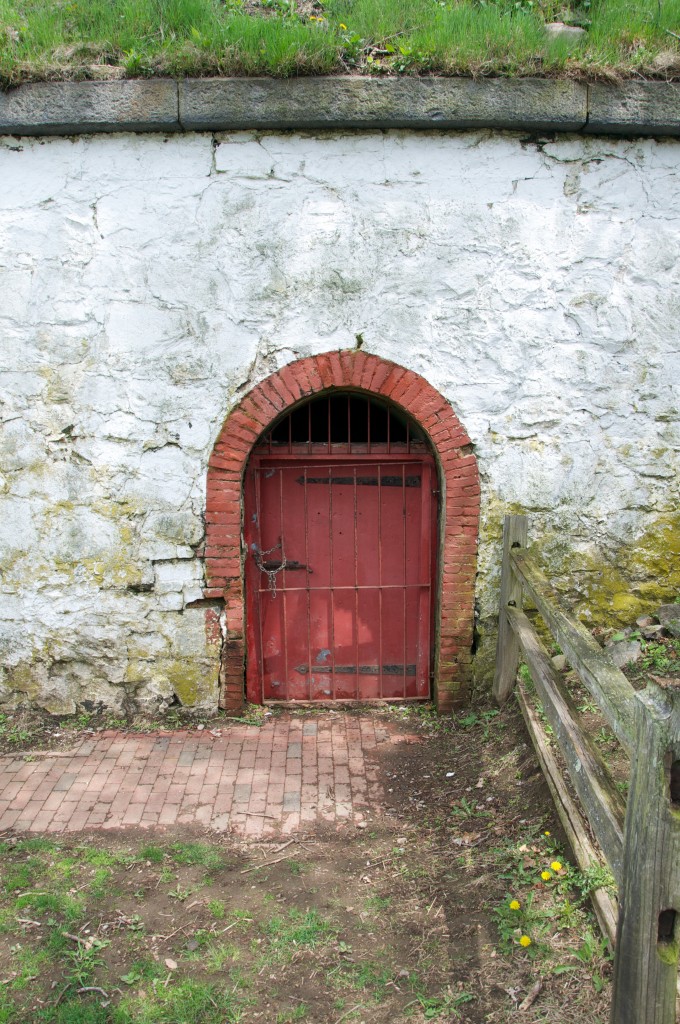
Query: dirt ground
(410, 919)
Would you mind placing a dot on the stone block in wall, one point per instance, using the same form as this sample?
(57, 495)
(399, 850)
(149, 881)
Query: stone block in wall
(217, 104)
(173, 576)
(634, 108)
(64, 108)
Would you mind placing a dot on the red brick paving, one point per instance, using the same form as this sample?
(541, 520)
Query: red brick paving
(285, 775)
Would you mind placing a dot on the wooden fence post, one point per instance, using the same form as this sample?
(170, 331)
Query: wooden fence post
(648, 939)
(507, 652)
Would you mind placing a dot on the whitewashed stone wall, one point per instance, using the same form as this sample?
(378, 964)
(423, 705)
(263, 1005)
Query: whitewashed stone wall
(146, 283)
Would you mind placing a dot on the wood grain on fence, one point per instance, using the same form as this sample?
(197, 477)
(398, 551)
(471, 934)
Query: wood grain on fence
(639, 840)
(604, 680)
(507, 657)
(589, 774)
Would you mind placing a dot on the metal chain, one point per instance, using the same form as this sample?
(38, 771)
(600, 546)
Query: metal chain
(259, 557)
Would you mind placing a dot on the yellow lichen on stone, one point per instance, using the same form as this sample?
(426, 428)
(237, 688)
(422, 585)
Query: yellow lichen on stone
(615, 589)
(194, 683)
(24, 679)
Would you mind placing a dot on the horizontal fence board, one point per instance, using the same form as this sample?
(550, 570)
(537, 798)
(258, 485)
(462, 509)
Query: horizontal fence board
(590, 777)
(574, 826)
(607, 684)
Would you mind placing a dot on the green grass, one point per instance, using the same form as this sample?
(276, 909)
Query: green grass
(286, 935)
(56, 39)
(201, 854)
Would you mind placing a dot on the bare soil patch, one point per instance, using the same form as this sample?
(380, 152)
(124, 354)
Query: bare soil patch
(408, 920)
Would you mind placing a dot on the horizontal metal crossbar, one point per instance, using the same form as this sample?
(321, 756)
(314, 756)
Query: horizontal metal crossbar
(362, 670)
(281, 589)
(362, 481)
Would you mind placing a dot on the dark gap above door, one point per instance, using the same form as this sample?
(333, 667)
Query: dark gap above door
(344, 422)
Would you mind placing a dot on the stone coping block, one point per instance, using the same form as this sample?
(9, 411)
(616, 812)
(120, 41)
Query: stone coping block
(269, 104)
(634, 108)
(311, 103)
(68, 108)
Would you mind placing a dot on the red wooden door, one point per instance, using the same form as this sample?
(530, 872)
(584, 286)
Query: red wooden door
(339, 570)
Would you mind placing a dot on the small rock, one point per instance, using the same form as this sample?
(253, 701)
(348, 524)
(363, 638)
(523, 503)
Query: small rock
(171, 964)
(645, 620)
(668, 613)
(650, 632)
(673, 627)
(558, 30)
(625, 653)
(362, 824)
(449, 775)
(560, 662)
(200, 726)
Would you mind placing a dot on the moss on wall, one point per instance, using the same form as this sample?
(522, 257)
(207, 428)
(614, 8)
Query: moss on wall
(607, 589)
(616, 587)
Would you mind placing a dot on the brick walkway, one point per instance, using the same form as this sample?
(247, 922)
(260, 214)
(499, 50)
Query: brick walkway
(285, 775)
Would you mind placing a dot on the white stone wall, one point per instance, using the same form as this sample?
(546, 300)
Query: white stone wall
(147, 282)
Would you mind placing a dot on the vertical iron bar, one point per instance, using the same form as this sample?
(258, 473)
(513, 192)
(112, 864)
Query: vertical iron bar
(260, 601)
(408, 438)
(389, 423)
(403, 516)
(332, 617)
(349, 427)
(309, 430)
(309, 596)
(290, 433)
(368, 421)
(425, 569)
(329, 423)
(356, 590)
(380, 601)
(283, 584)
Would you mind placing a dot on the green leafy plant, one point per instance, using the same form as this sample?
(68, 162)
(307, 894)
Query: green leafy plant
(434, 1007)
(180, 894)
(85, 959)
(596, 876)
(463, 808)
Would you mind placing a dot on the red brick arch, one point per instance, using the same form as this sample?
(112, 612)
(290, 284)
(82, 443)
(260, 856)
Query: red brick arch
(459, 510)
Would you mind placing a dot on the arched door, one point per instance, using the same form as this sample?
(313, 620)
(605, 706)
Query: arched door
(340, 533)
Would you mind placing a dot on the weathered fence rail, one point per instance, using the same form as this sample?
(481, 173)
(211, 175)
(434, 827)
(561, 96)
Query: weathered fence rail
(640, 839)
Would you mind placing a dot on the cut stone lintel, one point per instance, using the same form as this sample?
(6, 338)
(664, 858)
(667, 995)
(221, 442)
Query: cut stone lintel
(331, 103)
(313, 103)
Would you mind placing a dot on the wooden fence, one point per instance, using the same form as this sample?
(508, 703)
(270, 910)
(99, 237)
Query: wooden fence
(640, 839)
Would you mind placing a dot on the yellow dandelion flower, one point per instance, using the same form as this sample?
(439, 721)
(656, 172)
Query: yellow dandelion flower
(556, 866)
(546, 876)
(344, 27)
(515, 904)
(525, 941)
(546, 833)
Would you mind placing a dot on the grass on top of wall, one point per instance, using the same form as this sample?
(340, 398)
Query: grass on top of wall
(104, 39)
